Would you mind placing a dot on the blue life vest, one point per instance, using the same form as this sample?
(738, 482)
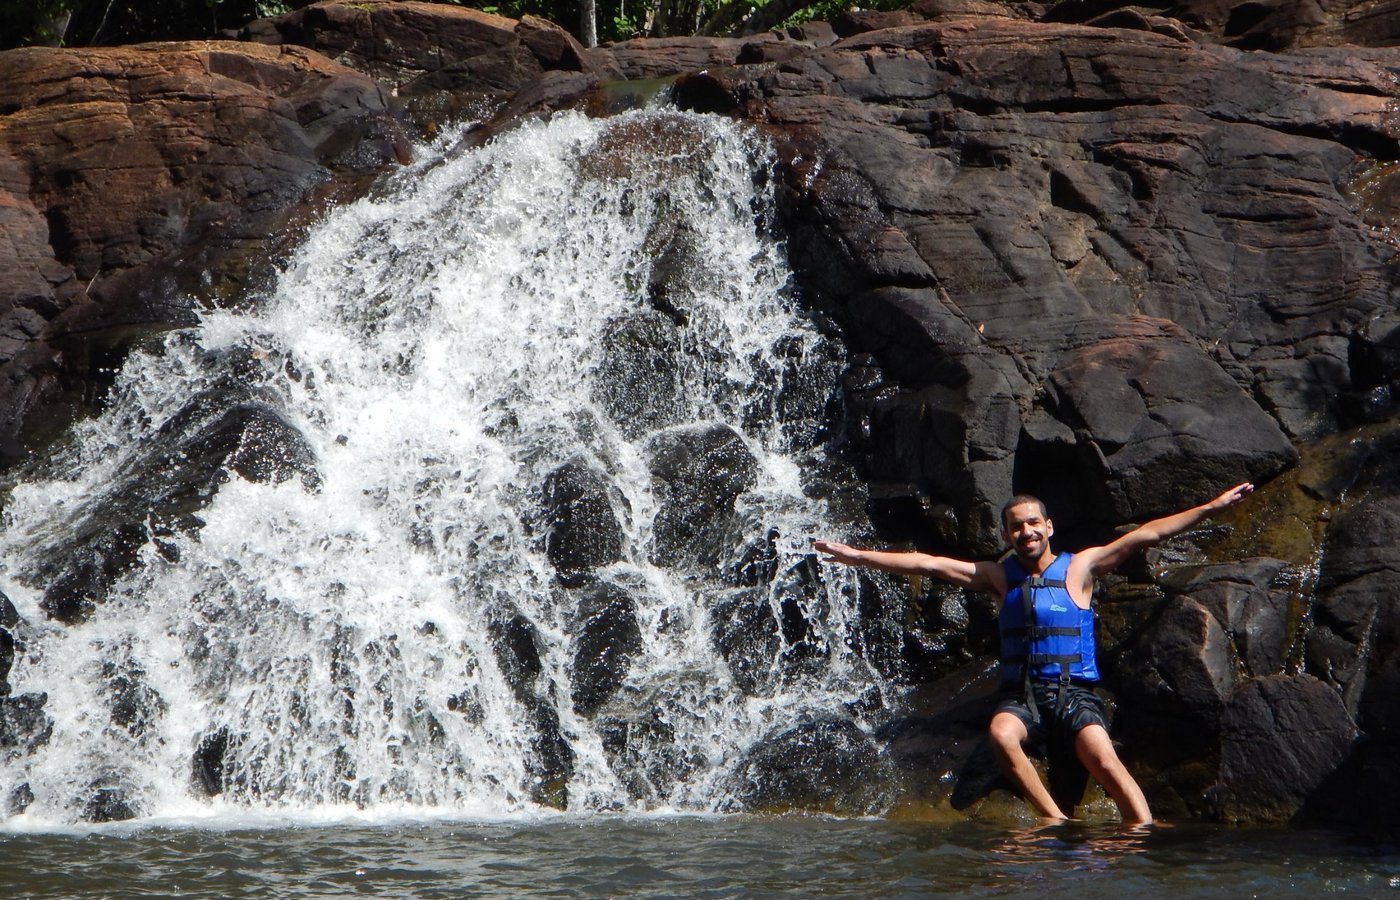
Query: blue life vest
(1044, 634)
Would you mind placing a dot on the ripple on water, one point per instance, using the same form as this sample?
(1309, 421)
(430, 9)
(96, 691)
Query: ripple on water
(690, 857)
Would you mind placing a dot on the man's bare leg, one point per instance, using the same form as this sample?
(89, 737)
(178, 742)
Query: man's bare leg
(1095, 750)
(1008, 738)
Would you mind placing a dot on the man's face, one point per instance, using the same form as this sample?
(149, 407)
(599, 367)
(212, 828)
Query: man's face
(1026, 528)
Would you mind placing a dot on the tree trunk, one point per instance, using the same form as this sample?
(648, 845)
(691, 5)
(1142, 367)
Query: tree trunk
(588, 22)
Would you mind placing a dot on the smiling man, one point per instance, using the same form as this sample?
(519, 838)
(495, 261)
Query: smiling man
(1048, 665)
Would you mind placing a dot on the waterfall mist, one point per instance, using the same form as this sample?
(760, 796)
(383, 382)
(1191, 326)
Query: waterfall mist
(522, 517)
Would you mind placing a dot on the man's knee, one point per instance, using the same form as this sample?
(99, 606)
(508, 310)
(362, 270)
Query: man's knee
(1095, 749)
(1007, 731)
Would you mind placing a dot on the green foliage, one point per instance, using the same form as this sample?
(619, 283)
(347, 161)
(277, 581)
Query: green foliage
(89, 22)
(826, 10)
(30, 22)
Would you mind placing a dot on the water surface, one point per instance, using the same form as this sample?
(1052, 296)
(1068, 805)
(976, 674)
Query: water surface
(700, 856)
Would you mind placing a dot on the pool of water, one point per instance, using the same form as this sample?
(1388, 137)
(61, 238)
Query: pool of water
(747, 856)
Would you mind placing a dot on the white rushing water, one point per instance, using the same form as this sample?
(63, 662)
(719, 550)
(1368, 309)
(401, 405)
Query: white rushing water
(443, 347)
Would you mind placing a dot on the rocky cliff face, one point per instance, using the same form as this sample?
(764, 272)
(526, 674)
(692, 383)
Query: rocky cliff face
(1112, 256)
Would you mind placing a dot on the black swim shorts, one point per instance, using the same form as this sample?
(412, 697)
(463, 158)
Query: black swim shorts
(1082, 708)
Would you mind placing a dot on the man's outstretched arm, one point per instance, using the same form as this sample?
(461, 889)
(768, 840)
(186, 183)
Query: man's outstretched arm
(976, 575)
(1105, 559)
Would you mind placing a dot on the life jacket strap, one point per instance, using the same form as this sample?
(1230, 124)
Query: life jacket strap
(1034, 660)
(1039, 631)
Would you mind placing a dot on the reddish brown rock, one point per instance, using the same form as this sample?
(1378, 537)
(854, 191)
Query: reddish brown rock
(426, 49)
(1254, 24)
(125, 171)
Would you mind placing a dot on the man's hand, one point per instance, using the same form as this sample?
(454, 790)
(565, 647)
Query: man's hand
(1233, 497)
(839, 553)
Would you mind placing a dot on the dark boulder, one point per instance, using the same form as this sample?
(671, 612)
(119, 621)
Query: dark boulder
(746, 633)
(9, 618)
(1193, 666)
(698, 473)
(583, 529)
(606, 638)
(207, 764)
(550, 763)
(108, 804)
(828, 765)
(1256, 602)
(24, 726)
(638, 384)
(516, 642)
(160, 487)
(134, 704)
(642, 751)
(1151, 407)
(1282, 738)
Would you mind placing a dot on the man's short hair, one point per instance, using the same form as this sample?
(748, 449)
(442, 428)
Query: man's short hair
(1022, 500)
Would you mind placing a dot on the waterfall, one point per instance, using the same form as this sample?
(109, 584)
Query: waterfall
(518, 515)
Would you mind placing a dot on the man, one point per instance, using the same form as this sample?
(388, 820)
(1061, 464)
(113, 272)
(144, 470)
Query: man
(1047, 638)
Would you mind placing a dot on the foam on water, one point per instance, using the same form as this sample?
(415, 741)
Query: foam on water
(441, 348)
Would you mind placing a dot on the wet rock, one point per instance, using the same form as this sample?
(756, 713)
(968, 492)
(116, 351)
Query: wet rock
(551, 761)
(606, 639)
(943, 628)
(108, 805)
(828, 765)
(24, 726)
(1282, 737)
(516, 642)
(794, 388)
(176, 474)
(135, 704)
(746, 633)
(9, 618)
(698, 472)
(642, 751)
(583, 529)
(207, 764)
(1254, 601)
(19, 800)
(639, 381)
